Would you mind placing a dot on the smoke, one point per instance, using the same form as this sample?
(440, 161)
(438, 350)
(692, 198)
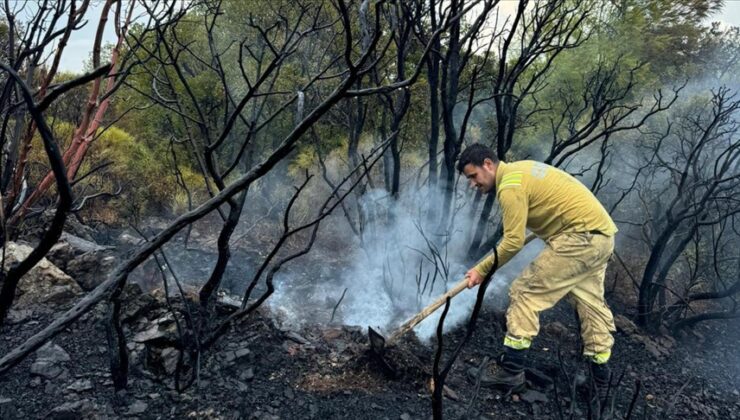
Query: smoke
(403, 263)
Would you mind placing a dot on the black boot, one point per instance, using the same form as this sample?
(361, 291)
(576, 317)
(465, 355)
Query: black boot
(600, 378)
(507, 374)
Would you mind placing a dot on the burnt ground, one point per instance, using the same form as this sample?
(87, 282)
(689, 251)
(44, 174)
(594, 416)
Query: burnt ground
(326, 372)
(257, 370)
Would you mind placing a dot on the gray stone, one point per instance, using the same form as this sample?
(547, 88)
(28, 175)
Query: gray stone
(152, 334)
(19, 316)
(170, 356)
(247, 375)
(52, 353)
(405, 416)
(531, 396)
(556, 329)
(51, 388)
(46, 369)
(241, 353)
(37, 285)
(297, 338)
(129, 239)
(73, 410)
(80, 245)
(89, 269)
(229, 356)
(137, 407)
(59, 295)
(242, 386)
(81, 385)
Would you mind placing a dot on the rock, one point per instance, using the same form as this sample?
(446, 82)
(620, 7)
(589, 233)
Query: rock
(449, 393)
(228, 356)
(59, 295)
(405, 416)
(242, 386)
(330, 334)
(531, 396)
(247, 375)
(658, 347)
(241, 353)
(73, 410)
(653, 349)
(37, 285)
(7, 408)
(625, 325)
(90, 269)
(138, 303)
(131, 240)
(48, 370)
(52, 353)
(19, 316)
(81, 245)
(157, 333)
(170, 356)
(556, 329)
(81, 385)
(71, 247)
(60, 254)
(137, 407)
(297, 338)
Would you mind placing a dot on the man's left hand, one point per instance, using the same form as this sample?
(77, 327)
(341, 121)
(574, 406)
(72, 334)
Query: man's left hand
(474, 278)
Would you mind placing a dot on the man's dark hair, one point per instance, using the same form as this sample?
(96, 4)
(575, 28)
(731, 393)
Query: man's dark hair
(476, 153)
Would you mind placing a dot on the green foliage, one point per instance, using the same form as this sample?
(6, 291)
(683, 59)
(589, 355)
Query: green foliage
(149, 183)
(145, 176)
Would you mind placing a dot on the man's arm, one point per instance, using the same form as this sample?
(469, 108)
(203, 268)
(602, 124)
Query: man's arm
(514, 209)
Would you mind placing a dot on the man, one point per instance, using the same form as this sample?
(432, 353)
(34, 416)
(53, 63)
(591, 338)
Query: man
(579, 234)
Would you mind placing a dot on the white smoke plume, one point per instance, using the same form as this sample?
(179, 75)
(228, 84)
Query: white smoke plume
(395, 273)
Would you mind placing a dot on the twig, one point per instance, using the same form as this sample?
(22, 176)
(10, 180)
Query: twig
(672, 405)
(334, 311)
(476, 390)
(440, 375)
(437, 376)
(638, 384)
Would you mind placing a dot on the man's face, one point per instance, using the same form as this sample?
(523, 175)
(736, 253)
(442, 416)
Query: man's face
(481, 177)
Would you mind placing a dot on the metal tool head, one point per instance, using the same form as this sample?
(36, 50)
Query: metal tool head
(377, 350)
(377, 341)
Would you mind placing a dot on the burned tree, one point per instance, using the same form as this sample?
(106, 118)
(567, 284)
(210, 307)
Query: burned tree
(45, 28)
(690, 186)
(525, 53)
(216, 126)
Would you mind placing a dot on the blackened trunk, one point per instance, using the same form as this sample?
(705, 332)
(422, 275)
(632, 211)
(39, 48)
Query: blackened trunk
(224, 250)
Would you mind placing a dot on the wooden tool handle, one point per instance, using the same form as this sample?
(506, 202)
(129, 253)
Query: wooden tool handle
(459, 287)
(411, 323)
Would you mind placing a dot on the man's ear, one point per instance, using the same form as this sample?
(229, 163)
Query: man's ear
(488, 163)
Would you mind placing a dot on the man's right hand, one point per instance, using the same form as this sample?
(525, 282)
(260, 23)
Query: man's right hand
(474, 278)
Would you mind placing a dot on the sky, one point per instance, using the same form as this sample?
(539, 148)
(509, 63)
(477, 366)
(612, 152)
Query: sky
(80, 44)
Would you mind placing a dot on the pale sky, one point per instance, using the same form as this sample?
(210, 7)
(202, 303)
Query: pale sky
(80, 43)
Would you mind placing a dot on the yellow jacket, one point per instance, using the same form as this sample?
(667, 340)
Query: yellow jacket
(545, 200)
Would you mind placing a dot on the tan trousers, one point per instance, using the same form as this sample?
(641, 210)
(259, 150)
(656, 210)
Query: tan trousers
(573, 265)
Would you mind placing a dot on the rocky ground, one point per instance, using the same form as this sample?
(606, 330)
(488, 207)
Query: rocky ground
(259, 371)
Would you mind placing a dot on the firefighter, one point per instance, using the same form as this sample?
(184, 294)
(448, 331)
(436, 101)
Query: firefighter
(579, 234)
